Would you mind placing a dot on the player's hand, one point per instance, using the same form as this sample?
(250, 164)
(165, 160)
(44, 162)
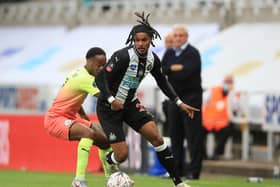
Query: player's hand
(176, 67)
(189, 109)
(116, 105)
(140, 107)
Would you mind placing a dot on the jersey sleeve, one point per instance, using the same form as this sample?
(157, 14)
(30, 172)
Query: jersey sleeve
(112, 70)
(87, 84)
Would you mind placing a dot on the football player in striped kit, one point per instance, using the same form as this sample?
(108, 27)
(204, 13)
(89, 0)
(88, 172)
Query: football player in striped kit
(118, 103)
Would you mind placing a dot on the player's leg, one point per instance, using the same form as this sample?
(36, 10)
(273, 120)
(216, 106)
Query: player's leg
(100, 139)
(63, 128)
(85, 134)
(102, 156)
(103, 149)
(80, 130)
(111, 122)
(138, 118)
(151, 133)
(88, 134)
(118, 154)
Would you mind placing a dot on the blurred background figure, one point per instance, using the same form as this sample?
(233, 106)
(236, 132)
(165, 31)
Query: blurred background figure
(168, 40)
(182, 65)
(168, 43)
(216, 116)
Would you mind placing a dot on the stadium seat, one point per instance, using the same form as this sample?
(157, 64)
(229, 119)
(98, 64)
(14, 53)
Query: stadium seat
(11, 13)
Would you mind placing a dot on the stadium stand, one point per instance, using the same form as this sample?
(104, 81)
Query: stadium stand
(75, 12)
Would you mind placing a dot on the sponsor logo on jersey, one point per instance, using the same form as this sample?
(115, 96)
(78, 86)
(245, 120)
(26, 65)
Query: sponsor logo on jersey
(133, 67)
(130, 82)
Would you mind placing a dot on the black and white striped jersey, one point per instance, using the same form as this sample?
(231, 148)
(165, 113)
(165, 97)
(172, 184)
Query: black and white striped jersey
(124, 72)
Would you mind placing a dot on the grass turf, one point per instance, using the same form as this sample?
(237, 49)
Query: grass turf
(39, 179)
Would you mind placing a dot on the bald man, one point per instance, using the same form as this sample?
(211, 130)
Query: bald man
(168, 40)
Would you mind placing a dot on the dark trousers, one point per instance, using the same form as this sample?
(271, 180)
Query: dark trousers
(221, 138)
(181, 127)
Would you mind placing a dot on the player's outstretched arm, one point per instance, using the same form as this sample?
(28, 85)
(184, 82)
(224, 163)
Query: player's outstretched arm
(187, 108)
(168, 90)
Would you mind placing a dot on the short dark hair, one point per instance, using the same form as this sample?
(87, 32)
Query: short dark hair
(95, 51)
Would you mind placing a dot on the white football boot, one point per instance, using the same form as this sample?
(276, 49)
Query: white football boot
(182, 185)
(79, 183)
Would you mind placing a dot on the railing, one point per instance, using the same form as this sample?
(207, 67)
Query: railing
(261, 108)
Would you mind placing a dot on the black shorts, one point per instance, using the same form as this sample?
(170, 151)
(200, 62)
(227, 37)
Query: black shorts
(112, 121)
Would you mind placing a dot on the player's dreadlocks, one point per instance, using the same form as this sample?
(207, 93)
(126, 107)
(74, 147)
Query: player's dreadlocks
(144, 26)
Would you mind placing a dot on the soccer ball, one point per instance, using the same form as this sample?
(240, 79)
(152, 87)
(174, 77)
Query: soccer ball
(119, 179)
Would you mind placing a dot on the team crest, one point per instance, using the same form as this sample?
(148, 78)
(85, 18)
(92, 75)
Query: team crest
(149, 67)
(112, 137)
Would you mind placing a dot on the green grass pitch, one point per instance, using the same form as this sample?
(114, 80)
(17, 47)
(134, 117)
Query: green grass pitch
(40, 179)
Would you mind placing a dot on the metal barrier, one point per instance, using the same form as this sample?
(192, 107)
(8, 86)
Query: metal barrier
(261, 108)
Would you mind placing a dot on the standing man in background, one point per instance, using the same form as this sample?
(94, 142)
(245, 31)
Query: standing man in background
(168, 40)
(182, 65)
(168, 43)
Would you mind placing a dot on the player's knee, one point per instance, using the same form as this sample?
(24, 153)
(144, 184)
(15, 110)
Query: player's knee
(121, 155)
(157, 141)
(87, 134)
(100, 140)
(98, 134)
(102, 145)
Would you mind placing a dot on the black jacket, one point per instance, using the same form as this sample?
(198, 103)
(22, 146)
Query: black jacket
(187, 82)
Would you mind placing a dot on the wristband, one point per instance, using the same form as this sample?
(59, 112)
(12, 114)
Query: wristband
(111, 99)
(179, 102)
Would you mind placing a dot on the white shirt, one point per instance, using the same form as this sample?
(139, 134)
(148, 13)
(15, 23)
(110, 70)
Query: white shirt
(178, 51)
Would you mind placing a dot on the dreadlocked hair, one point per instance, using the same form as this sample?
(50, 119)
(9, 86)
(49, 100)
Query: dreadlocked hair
(144, 26)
